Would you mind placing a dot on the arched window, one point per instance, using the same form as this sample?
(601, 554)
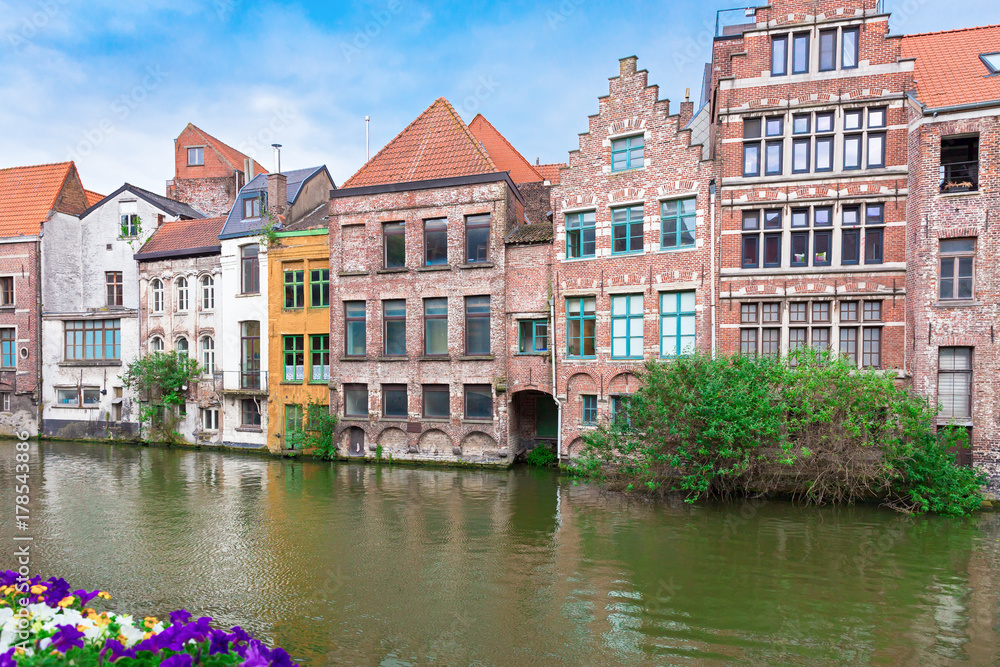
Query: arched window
(207, 293)
(182, 294)
(156, 286)
(208, 355)
(182, 346)
(156, 344)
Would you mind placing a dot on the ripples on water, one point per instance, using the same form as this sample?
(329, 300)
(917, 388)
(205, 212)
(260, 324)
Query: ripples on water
(354, 564)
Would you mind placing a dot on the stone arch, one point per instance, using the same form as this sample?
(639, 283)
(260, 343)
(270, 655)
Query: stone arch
(581, 383)
(349, 434)
(434, 441)
(392, 440)
(623, 383)
(477, 443)
(575, 447)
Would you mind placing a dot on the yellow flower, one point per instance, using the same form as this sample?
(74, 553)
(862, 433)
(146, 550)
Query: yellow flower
(38, 588)
(121, 638)
(66, 601)
(104, 596)
(150, 621)
(81, 628)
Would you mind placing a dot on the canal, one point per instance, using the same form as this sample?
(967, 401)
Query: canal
(354, 564)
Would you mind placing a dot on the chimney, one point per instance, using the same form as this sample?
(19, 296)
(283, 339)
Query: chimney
(687, 108)
(277, 194)
(247, 170)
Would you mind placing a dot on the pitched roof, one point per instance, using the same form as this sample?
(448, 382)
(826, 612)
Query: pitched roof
(28, 194)
(171, 206)
(948, 68)
(228, 153)
(92, 197)
(437, 144)
(504, 155)
(295, 179)
(539, 232)
(550, 172)
(178, 238)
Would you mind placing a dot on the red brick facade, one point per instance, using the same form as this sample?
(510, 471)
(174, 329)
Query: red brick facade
(19, 381)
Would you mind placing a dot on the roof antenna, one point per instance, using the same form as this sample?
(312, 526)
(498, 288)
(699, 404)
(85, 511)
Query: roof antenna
(368, 154)
(277, 155)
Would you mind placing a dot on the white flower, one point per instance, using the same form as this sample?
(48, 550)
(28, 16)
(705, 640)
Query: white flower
(132, 634)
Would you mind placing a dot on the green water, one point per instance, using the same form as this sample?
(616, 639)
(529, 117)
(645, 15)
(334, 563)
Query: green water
(353, 564)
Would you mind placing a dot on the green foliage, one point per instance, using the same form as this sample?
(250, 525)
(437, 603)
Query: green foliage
(810, 426)
(317, 435)
(160, 380)
(378, 452)
(541, 457)
(269, 229)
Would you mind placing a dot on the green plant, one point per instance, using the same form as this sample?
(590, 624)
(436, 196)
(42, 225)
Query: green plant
(541, 457)
(161, 380)
(933, 483)
(317, 435)
(378, 452)
(269, 228)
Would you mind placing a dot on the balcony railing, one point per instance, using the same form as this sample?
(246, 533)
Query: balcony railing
(960, 176)
(249, 381)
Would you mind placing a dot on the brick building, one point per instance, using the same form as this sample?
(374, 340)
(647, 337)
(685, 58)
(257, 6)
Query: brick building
(808, 102)
(953, 235)
(632, 267)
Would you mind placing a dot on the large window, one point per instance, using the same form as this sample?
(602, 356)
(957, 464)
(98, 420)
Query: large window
(394, 327)
(677, 223)
(208, 355)
(436, 327)
(156, 288)
(581, 326)
(955, 382)
(958, 259)
(319, 348)
(436, 400)
(295, 358)
(627, 326)
(8, 355)
(295, 291)
(627, 153)
(436, 242)
(581, 234)
(319, 288)
(478, 401)
(250, 269)
(394, 403)
(959, 164)
(181, 285)
(533, 336)
(626, 229)
(250, 355)
(113, 283)
(760, 331)
(677, 323)
(477, 325)
(477, 238)
(249, 413)
(355, 329)
(393, 245)
(93, 340)
(207, 293)
(753, 240)
(356, 400)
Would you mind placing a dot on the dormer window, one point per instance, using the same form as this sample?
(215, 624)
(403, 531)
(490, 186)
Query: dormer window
(251, 207)
(196, 156)
(992, 61)
(627, 153)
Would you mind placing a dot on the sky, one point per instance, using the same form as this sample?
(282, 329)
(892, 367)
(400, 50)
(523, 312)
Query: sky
(110, 84)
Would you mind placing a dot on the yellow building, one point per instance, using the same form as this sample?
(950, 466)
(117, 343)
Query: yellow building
(299, 313)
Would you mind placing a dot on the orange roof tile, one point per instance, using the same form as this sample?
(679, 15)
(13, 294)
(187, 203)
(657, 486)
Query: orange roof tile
(229, 154)
(180, 235)
(949, 70)
(504, 155)
(437, 144)
(550, 172)
(29, 194)
(92, 197)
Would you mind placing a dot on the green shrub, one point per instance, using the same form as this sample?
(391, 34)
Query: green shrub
(541, 457)
(317, 434)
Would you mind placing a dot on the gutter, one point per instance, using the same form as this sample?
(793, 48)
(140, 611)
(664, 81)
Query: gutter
(471, 179)
(711, 199)
(555, 393)
(167, 254)
(968, 106)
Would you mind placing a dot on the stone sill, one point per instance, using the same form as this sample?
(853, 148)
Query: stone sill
(478, 421)
(402, 269)
(957, 304)
(353, 359)
(442, 357)
(393, 358)
(249, 429)
(95, 362)
(477, 265)
(444, 267)
(434, 420)
(968, 193)
(477, 357)
(247, 295)
(346, 274)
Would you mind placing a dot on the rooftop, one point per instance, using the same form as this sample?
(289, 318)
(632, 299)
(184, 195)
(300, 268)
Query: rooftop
(235, 224)
(232, 156)
(182, 237)
(504, 155)
(949, 70)
(539, 232)
(171, 206)
(29, 194)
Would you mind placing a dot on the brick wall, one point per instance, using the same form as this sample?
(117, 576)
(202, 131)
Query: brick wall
(18, 261)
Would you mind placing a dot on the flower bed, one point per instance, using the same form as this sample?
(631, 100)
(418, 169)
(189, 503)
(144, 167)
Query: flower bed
(45, 623)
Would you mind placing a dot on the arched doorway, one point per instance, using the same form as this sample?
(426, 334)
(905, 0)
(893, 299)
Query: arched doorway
(355, 441)
(536, 418)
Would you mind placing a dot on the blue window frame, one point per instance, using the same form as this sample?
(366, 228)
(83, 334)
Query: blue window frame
(628, 153)
(581, 327)
(533, 336)
(677, 323)
(581, 235)
(7, 348)
(677, 222)
(626, 326)
(589, 417)
(626, 230)
(619, 411)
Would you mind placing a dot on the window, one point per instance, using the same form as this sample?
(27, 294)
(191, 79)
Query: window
(319, 288)
(181, 285)
(208, 354)
(955, 382)
(992, 61)
(589, 411)
(181, 345)
(876, 118)
(5, 397)
(751, 148)
(872, 311)
(958, 258)
(628, 153)
(874, 233)
(394, 328)
(207, 293)
(196, 156)
(293, 418)
(772, 242)
(627, 326)
(626, 229)
(436, 400)
(478, 401)
(959, 164)
(850, 245)
(581, 326)
(319, 348)
(849, 48)
(393, 245)
(91, 397)
(773, 151)
(295, 358)
(355, 330)
(801, 149)
(356, 400)
(156, 344)
(435, 242)
(876, 150)
(477, 238)
(295, 291)
(250, 355)
(677, 323)
(852, 151)
(6, 291)
(249, 413)
(677, 223)
(533, 336)
(619, 411)
(251, 207)
(800, 53)
(128, 219)
(156, 286)
(748, 342)
(394, 403)
(581, 234)
(112, 280)
(477, 325)
(779, 55)
(93, 340)
(210, 419)
(68, 398)
(768, 339)
(8, 355)
(827, 50)
(436, 327)
(871, 356)
(250, 269)
(751, 242)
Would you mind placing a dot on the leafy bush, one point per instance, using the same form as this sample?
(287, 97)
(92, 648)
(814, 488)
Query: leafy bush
(541, 457)
(317, 435)
(810, 426)
(161, 380)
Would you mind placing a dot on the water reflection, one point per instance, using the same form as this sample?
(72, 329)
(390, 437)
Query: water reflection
(353, 564)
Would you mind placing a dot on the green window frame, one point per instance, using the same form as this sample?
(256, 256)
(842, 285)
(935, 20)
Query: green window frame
(295, 291)
(319, 288)
(627, 326)
(626, 230)
(677, 223)
(293, 417)
(581, 234)
(581, 327)
(319, 353)
(628, 153)
(295, 358)
(533, 336)
(677, 324)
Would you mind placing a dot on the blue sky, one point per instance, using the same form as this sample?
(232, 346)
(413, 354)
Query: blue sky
(111, 84)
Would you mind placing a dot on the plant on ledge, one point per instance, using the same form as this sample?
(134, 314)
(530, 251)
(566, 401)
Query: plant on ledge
(161, 380)
(316, 434)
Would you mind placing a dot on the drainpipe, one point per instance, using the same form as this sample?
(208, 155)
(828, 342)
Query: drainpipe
(555, 393)
(711, 216)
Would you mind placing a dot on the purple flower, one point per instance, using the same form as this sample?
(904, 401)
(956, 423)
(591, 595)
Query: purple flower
(65, 638)
(240, 635)
(180, 616)
(7, 659)
(85, 596)
(280, 658)
(179, 660)
(114, 647)
(257, 655)
(219, 642)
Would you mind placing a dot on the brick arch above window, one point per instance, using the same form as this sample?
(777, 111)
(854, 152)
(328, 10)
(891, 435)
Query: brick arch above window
(958, 232)
(623, 383)
(580, 201)
(580, 383)
(626, 195)
(678, 189)
(627, 125)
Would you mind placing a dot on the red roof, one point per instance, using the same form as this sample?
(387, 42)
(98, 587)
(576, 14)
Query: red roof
(228, 153)
(949, 70)
(180, 235)
(437, 144)
(92, 197)
(29, 194)
(550, 172)
(504, 155)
